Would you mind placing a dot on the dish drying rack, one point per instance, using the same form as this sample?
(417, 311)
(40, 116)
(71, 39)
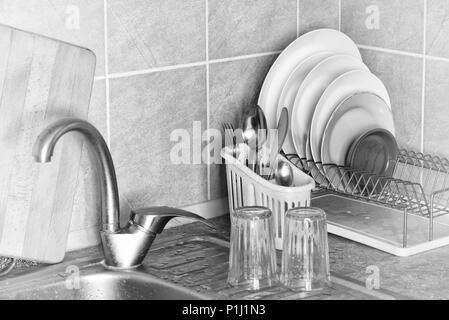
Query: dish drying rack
(402, 214)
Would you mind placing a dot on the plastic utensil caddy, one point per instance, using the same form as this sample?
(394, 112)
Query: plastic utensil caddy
(246, 188)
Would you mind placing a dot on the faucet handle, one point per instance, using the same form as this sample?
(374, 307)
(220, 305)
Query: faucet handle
(154, 219)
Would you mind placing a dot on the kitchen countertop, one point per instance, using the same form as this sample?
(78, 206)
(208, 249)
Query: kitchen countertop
(424, 276)
(192, 257)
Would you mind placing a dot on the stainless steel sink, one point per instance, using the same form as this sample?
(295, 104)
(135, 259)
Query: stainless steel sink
(95, 282)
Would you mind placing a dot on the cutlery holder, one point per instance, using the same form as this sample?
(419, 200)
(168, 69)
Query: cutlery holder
(246, 188)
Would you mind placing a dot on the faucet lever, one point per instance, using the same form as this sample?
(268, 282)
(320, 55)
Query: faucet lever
(154, 219)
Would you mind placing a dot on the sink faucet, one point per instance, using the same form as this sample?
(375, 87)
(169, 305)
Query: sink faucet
(122, 247)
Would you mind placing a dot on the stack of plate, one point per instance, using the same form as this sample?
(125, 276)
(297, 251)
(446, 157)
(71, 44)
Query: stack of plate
(331, 96)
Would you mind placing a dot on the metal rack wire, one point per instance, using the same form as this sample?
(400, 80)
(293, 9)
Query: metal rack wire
(419, 185)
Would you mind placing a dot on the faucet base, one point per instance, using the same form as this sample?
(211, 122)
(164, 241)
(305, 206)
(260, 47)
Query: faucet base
(127, 248)
(119, 268)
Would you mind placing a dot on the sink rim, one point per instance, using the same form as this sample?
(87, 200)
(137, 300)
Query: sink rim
(54, 276)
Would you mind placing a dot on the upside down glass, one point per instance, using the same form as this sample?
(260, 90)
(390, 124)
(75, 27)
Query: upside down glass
(305, 256)
(252, 256)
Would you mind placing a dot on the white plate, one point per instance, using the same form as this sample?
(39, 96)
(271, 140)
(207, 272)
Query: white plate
(310, 92)
(344, 86)
(290, 90)
(355, 116)
(300, 49)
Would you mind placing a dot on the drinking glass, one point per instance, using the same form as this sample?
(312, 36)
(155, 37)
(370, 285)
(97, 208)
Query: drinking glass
(305, 256)
(252, 256)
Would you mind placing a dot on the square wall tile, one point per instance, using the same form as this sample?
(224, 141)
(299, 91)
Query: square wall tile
(146, 110)
(392, 24)
(402, 76)
(436, 115)
(316, 14)
(80, 22)
(437, 28)
(233, 86)
(239, 27)
(145, 34)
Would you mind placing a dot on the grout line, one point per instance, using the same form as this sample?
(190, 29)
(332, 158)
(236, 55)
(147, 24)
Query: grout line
(188, 65)
(423, 89)
(428, 57)
(208, 98)
(403, 53)
(157, 69)
(256, 55)
(99, 78)
(106, 67)
(339, 15)
(248, 56)
(398, 52)
(297, 18)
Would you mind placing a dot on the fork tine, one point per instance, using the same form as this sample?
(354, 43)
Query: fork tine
(224, 125)
(230, 138)
(228, 134)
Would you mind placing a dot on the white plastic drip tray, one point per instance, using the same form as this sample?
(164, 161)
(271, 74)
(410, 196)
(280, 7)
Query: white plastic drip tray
(378, 226)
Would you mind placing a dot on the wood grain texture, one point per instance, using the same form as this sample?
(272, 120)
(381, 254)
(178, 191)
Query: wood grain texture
(41, 80)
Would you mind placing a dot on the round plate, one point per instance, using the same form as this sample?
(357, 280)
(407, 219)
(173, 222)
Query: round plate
(290, 90)
(346, 85)
(300, 49)
(310, 92)
(375, 151)
(355, 116)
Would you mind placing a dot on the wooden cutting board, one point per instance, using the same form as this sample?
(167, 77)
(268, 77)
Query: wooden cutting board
(41, 80)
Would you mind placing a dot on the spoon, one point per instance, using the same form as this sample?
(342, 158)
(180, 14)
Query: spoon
(254, 129)
(278, 138)
(283, 174)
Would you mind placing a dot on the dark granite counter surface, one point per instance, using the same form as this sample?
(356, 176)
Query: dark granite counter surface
(422, 276)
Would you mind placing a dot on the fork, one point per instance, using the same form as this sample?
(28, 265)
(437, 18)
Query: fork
(228, 128)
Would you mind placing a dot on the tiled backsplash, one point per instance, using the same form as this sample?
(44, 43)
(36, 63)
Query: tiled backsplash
(404, 42)
(162, 64)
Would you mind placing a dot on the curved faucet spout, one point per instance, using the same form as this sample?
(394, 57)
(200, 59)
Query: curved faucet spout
(123, 248)
(43, 151)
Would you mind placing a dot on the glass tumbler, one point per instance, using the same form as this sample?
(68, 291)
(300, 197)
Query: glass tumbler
(305, 256)
(252, 256)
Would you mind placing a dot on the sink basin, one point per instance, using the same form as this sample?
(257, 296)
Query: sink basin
(97, 283)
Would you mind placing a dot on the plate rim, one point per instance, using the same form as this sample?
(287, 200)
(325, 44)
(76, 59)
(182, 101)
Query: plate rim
(314, 151)
(302, 64)
(312, 108)
(280, 67)
(334, 118)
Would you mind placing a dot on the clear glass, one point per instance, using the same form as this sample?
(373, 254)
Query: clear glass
(305, 256)
(252, 256)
